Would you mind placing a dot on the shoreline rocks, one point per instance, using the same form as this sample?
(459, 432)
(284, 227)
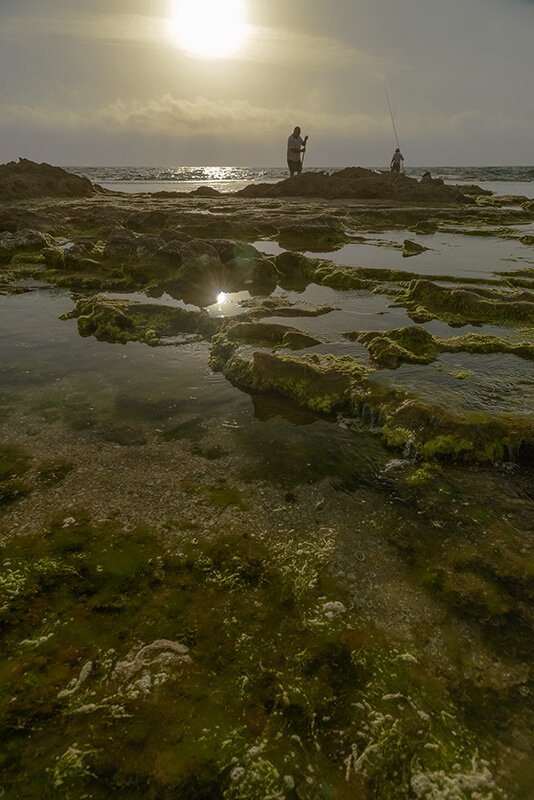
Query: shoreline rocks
(26, 179)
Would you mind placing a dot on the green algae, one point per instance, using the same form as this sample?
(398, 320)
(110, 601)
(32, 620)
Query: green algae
(53, 470)
(421, 474)
(224, 496)
(14, 466)
(138, 664)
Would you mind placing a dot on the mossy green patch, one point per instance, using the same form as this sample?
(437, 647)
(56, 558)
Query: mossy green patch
(53, 470)
(421, 474)
(14, 464)
(224, 496)
(138, 664)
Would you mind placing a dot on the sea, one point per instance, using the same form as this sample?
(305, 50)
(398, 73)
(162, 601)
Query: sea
(514, 180)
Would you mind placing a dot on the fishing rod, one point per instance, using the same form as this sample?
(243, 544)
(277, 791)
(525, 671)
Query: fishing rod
(392, 117)
(305, 146)
(393, 121)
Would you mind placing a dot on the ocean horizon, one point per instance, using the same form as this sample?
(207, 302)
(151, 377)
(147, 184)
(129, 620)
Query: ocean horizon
(501, 179)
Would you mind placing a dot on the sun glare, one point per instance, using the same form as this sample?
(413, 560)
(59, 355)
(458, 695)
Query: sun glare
(210, 28)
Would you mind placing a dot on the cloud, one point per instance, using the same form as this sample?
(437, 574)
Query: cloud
(116, 28)
(472, 123)
(305, 51)
(265, 45)
(181, 117)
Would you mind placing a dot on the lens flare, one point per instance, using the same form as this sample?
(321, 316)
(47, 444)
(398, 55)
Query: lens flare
(210, 28)
(221, 298)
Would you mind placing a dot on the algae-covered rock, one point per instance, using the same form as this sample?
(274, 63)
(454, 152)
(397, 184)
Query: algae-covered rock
(410, 248)
(256, 334)
(404, 345)
(425, 226)
(416, 345)
(54, 257)
(323, 383)
(529, 240)
(22, 240)
(320, 233)
(343, 278)
(461, 305)
(124, 321)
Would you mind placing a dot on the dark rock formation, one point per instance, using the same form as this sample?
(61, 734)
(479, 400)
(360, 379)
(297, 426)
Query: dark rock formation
(26, 179)
(358, 183)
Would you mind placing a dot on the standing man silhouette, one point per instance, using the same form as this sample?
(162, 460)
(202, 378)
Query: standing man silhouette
(396, 161)
(295, 146)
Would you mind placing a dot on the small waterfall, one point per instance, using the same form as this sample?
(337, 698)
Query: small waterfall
(409, 449)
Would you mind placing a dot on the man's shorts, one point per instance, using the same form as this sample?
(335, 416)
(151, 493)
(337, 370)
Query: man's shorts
(294, 166)
(395, 167)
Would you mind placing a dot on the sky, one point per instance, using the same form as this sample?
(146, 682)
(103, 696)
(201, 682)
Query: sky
(112, 82)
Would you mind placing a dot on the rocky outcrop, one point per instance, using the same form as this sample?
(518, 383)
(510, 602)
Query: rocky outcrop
(359, 184)
(24, 240)
(410, 248)
(25, 179)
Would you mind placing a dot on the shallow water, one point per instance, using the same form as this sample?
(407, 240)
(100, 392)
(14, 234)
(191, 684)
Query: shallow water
(447, 254)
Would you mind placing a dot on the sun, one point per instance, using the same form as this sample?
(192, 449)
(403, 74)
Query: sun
(210, 28)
